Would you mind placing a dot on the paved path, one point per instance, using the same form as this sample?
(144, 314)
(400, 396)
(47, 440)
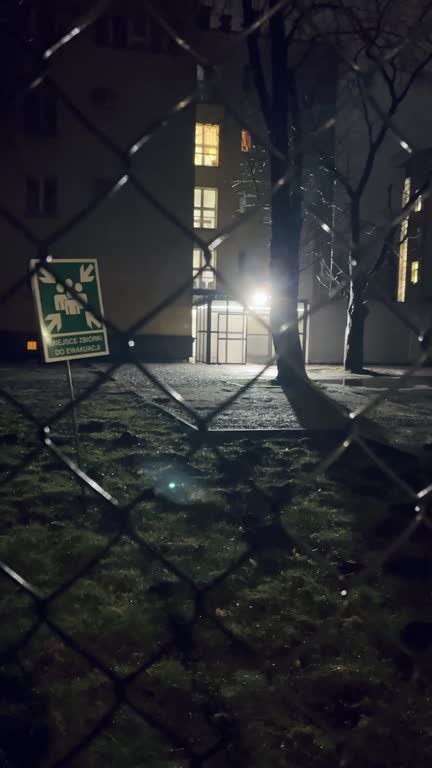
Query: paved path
(404, 414)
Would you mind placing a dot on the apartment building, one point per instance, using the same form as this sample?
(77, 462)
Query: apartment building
(232, 189)
(122, 75)
(414, 273)
(70, 138)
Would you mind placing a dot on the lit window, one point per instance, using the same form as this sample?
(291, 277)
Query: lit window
(418, 204)
(32, 346)
(415, 272)
(403, 248)
(206, 144)
(205, 207)
(246, 141)
(207, 278)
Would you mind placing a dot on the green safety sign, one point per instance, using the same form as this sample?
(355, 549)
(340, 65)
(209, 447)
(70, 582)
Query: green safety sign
(69, 329)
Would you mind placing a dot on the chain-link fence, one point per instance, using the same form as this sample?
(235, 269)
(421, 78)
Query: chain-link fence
(171, 601)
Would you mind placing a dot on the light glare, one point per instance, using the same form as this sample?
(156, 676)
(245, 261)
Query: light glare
(260, 299)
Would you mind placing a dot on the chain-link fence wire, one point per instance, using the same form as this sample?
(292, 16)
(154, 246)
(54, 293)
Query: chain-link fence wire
(272, 536)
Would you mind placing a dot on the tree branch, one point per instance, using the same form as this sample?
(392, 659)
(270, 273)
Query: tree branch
(423, 64)
(365, 110)
(256, 63)
(388, 244)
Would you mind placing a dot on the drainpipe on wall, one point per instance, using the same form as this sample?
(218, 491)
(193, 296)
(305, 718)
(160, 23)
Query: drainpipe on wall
(209, 314)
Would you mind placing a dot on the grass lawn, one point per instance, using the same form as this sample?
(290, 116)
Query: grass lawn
(233, 599)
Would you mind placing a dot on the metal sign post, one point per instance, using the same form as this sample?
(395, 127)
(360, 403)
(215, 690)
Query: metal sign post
(69, 309)
(74, 414)
(76, 432)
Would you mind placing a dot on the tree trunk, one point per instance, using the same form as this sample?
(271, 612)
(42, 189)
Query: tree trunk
(354, 333)
(285, 245)
(357, 309)
(287, 208)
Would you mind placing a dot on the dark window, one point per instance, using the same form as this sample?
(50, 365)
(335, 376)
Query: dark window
(103, 98)
(119, 31)
(33, 197)
(40, 113)
(41, 196)
(101, 31)
(50, 197)
(40, 25)
(147, 33)
(112, 31)
(141, 31)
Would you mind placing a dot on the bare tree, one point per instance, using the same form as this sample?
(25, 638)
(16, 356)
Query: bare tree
(373, 37)
(278, 66)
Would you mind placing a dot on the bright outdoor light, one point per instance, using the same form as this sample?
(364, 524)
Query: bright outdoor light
(259, 299)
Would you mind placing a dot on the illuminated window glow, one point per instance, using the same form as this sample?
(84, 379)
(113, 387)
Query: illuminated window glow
(31, 346)
(415, 265)
(403, 248)
(246, 141)
(207, 278)
(205, 208)
(206, 144)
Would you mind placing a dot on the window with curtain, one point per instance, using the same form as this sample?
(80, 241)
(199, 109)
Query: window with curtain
(207, 144)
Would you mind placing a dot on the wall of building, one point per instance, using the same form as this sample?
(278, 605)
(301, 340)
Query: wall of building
(388, 340)
(382, 199)
(243, 258)
(143, 256)
(249, 244)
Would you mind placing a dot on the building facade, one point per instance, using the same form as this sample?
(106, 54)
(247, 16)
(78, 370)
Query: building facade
(232, 315)
(75, 135)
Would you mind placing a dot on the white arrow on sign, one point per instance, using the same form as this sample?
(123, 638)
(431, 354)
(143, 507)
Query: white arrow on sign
(92, 321)
(86, 273)
(45, 276)
(54, 322)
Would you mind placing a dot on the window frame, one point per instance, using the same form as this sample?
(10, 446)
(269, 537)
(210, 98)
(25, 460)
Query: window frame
(203, 212)
(205, 148)
(123, 31)
(40, 113)
(198, 262)
(403, 247)
(41, 197)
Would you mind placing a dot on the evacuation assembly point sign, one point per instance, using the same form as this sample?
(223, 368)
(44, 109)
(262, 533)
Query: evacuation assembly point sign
(68, 329)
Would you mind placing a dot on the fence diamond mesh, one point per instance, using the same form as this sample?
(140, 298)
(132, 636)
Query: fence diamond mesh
(173, 600)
